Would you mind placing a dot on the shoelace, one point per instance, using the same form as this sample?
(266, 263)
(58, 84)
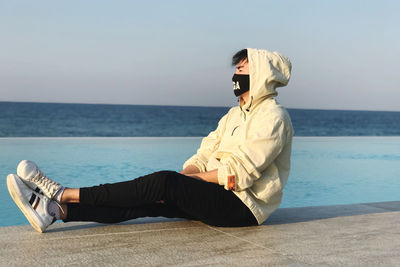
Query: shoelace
(45, 183)
(62, 210)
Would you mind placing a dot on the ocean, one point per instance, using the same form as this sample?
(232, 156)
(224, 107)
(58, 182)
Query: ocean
(324, 170)
(22, 119)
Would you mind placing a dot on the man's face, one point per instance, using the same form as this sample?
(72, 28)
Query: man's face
(242, 67)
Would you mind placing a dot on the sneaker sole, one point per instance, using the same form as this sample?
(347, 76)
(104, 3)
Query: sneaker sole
(26, 209)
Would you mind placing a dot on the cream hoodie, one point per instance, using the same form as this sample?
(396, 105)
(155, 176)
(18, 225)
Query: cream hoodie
(252, 144)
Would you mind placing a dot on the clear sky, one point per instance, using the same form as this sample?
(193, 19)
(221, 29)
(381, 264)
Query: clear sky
(344, 53)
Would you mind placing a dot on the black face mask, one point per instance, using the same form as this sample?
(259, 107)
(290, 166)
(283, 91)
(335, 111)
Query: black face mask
(241, 84)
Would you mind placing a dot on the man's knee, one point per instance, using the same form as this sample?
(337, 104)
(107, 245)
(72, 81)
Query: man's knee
(165, 175)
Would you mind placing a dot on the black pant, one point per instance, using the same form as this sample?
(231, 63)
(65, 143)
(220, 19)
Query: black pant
(164, 193)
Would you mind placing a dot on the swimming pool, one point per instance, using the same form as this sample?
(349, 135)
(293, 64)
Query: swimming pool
(325, 170)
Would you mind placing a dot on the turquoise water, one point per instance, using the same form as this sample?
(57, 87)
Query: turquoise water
(325, 170)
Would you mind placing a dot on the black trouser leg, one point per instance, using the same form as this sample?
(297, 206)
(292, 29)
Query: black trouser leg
(101, 214)
(143, 190)
(182, 196)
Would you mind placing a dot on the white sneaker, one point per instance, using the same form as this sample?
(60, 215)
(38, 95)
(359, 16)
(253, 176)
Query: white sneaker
(30, 173)
(32, 204)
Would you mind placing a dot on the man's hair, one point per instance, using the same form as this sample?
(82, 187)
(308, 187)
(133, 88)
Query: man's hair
(239, 56)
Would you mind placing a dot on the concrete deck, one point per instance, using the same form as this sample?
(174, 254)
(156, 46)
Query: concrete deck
(356, 235)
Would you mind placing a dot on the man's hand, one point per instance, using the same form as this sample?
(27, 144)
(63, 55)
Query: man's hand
(211, 176)
(194, 172)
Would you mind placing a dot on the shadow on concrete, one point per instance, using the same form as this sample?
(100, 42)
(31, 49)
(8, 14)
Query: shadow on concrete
(72, 226)
(281, 216)
(305, 214)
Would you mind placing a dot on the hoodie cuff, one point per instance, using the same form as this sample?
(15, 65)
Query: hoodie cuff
(194, 162)
(226, 178)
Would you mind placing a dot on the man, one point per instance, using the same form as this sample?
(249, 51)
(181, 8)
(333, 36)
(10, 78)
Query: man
(239, 170)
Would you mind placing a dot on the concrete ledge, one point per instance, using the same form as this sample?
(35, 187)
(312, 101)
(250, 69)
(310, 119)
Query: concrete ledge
(361, 234)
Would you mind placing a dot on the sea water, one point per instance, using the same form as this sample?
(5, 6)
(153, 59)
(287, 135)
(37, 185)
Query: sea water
(52, 119)
(325, 170)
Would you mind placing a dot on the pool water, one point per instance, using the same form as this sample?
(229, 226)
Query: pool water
(325, 170)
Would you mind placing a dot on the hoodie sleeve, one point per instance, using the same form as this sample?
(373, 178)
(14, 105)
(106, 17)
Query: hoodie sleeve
(251, 157)
(208, 145)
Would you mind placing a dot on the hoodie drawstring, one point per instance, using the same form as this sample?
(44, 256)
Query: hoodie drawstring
(241, 110)
(251, 101)
(244, 113)
(234, 130)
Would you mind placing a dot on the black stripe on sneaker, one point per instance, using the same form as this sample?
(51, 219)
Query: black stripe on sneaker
(37, 190)
(33, 197)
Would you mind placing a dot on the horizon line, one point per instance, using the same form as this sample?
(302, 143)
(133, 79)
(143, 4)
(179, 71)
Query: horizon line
(113, 104)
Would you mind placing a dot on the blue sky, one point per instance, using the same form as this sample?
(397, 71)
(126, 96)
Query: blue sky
(344, 53)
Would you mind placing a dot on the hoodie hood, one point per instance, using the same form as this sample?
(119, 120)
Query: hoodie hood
(268, 71)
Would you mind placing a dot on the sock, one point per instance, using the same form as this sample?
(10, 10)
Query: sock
(59, 194)
(54, 209)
